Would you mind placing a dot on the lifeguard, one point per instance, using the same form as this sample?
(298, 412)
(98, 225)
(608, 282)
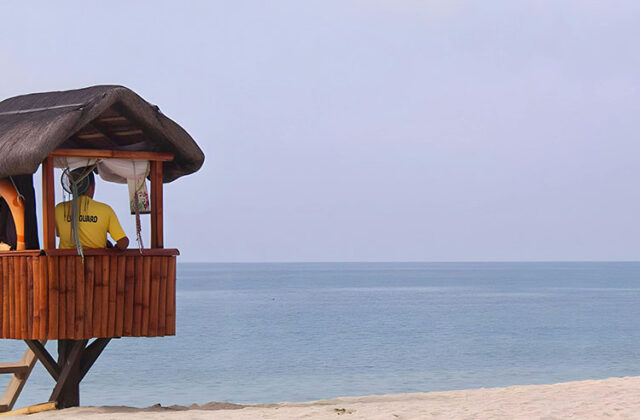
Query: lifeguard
(94, 219)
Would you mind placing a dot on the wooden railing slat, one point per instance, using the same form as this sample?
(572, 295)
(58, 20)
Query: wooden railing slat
(30, 296)
(23, 280)
(6, 317)
(89, 276)
(43, 296)
(104, 293)
(138, 301)
(156, 267)
(71, 297)
(171, 297)
(162, 303)
(80, 298)
(113, 291)
(97, 298)
(146, 296)
(120, 296)
(54, 296)
(129, 290)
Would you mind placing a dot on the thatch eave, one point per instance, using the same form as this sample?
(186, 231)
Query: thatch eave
(32, 126)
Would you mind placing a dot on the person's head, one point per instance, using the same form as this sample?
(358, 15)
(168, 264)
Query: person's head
(86, 181)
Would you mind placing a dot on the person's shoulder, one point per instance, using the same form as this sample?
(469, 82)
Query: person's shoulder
(98, 205)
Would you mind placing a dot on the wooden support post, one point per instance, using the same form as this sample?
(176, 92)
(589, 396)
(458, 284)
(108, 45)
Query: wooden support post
(67, 390)
(62, 352)
(157, 240)
(48, 203)
(75, 359)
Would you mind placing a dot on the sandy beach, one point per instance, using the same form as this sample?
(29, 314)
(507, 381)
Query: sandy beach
(593, 399)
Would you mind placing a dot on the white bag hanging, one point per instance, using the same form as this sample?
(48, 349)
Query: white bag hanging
(134, 174)
(138, 195)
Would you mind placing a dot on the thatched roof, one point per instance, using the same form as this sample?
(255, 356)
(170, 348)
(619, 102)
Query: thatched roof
(97, 117)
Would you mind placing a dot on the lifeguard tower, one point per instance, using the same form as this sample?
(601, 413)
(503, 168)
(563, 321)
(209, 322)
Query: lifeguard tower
(82, 301)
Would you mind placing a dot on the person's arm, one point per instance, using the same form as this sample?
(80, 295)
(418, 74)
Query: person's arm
(122, 243)
(116, 232)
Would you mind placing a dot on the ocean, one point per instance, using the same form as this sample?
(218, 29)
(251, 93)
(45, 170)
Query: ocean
(257, 333)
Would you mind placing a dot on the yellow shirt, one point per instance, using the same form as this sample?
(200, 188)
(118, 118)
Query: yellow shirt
(94, 221)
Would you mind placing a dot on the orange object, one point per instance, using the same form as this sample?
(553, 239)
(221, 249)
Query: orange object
(10, 195)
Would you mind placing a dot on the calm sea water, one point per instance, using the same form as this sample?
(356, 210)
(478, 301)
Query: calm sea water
(252, 333)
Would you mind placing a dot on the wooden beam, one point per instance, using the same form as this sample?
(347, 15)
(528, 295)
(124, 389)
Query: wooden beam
(45, 358)
(90, 136)
(128, 132)
(113, 154)
(100, 129)
(91, 354)
(157, 240)
(117, 118)
(48, 205)
(17, 368)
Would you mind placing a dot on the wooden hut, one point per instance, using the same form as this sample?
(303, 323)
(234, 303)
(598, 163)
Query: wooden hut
(55, 294)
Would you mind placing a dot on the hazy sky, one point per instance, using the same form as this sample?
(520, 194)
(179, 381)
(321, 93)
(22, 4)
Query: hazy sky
(379, 130)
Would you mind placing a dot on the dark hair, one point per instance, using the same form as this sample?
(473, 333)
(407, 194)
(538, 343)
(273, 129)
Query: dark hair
(86, 182)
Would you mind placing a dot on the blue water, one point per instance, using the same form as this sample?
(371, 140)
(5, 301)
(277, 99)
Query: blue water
(252, 333)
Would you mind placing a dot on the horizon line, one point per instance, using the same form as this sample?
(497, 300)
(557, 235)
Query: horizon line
(413, 262)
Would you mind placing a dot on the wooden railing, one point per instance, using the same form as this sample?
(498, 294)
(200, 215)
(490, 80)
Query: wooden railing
(54, 294)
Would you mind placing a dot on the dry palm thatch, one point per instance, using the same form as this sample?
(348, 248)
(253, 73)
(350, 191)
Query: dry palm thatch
(97, 117)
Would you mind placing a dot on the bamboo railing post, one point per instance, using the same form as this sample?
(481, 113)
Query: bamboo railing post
(156, 205)
(48, 203)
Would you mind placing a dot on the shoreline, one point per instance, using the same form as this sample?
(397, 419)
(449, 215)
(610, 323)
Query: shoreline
(590, 399)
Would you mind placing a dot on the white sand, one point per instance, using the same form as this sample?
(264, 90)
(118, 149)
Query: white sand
(597, 399)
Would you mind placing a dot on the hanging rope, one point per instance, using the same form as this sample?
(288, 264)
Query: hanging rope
(137, 209)
(20, 196)
(77, 183)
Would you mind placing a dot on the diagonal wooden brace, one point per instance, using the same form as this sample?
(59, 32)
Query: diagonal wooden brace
(91, 354)
(45, 358)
